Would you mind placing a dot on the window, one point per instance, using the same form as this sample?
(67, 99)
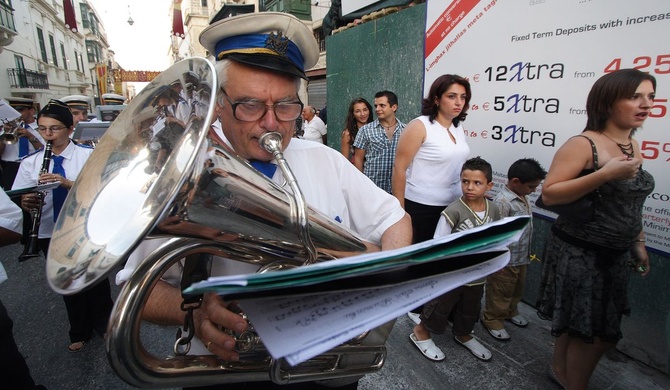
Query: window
(93, 25)
(84, 14)
(62, 52)
(81, 60)
(276, 7)
(93, 51)
(320, 37)
(203, 3)
(53, 50)
(43, 47)
(76, 60)
(7, 15)
(90, 52)
(18, 60)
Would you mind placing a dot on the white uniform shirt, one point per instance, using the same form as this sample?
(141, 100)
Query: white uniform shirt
(11, 217)
(75, 157)
(11, 152)
(434, 176)
(183, 110)
(315, 130)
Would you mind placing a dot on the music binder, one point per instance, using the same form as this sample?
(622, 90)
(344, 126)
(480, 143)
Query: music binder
(28, 190)
(303, 312)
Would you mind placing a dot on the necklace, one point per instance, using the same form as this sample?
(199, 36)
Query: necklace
(390, 127)
(626, 149)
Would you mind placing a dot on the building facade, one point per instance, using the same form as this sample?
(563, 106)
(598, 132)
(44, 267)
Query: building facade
(43, 57)
(100, 58)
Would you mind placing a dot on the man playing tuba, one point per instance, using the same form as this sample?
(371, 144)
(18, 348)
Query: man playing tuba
(261, 59)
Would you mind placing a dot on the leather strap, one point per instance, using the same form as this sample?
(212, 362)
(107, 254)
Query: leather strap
(593, 150)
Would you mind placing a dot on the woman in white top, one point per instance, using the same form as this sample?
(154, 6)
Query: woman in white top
(430, 154)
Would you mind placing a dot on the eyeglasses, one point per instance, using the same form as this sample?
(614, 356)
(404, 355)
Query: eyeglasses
(250, 111)
(54, 129)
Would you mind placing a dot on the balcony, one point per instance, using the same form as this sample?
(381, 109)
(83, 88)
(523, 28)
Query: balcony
(7, 17)
(24, 78)
(76, 79)
(7, 27)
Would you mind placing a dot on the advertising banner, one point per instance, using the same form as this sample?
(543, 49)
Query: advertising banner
(142, 76)
(531, 64)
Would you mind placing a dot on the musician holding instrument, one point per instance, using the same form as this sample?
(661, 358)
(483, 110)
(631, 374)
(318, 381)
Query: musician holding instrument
(28, 140)
(88, 310)
(261, 59)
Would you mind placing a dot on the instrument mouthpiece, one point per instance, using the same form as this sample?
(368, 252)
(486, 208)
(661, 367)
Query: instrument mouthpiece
(271, 142)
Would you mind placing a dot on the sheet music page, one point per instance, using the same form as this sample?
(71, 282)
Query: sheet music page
(301, 327)
(158, 126)
(433, 249)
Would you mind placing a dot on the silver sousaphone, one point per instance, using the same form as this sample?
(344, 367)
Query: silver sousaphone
(156, 174)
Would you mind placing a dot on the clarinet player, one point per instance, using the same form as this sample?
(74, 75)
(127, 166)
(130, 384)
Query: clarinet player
(89, 310)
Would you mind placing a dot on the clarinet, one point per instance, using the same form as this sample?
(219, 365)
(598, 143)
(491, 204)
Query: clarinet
(31, 250)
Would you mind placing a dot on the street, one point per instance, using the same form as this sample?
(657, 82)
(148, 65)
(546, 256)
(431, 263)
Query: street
(40, 330)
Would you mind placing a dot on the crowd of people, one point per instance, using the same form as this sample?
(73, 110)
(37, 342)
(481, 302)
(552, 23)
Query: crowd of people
(418, 181)
(586, 263)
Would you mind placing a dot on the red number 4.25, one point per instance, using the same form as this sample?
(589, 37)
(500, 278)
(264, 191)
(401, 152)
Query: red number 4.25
(660, 66)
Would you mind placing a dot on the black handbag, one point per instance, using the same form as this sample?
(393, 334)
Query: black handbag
(583, 209)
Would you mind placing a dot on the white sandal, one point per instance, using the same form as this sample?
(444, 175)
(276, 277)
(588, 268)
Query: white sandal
(415, 317)
(428, 348)
(519, 321)
(499, 334)
(476, 348)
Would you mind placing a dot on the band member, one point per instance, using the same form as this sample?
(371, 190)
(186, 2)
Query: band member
(167, 128)
(201, 98)
(29, 140)
(88, 310)
(261, 60)
(112, 99)
(79, 106)
(180, 107)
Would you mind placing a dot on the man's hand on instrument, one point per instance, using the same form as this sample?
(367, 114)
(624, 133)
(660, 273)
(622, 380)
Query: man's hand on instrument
(30, 201)
(21, 132)
(210, 318)
(54, 177)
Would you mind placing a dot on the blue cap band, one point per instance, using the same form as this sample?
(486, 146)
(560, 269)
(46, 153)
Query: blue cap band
(271, 44)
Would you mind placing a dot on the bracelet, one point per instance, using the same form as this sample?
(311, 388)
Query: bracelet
(640, 240)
